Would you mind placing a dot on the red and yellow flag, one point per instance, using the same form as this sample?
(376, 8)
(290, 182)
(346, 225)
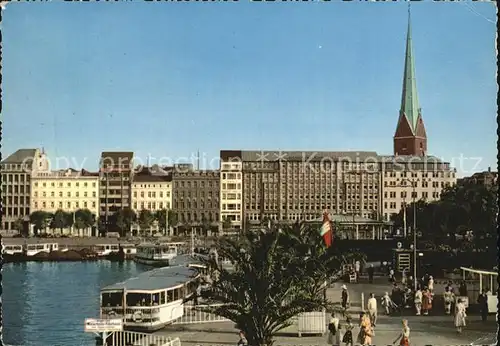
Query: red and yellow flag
(326, 230)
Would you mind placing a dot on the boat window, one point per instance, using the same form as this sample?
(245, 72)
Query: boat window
(177, 294)
(170, 296)
(39, 247)
(114, 247)
(182, 292)
(112, 299)
(138, 299)
(162, 298)
(156, 298)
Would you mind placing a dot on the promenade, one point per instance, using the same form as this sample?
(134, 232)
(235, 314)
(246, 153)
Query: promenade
(425, 330)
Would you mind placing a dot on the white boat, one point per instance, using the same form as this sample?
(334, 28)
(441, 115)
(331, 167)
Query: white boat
(129, 250)
(12, 249)
(151, 300)
(105, 249)
(33, 249)
(155, 254)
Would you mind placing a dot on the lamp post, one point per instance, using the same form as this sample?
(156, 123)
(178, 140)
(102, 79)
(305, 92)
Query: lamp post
(413, 195)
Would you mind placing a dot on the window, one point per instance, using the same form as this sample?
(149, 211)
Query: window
(60, 194)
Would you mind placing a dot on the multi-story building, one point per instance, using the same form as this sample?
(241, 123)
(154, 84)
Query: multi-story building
(115, 173)
(196, 196)
(291, 186)
(410, 178)
(67, 189)
(151, 190)
(486, 178)
(16, 174)
(231, 189)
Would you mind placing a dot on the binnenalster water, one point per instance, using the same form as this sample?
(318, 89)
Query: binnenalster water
(47, 303)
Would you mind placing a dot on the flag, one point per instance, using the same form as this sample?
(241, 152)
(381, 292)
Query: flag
(326, 229)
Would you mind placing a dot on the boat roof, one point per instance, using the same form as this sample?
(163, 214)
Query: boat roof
(156, 279)
(145, 245)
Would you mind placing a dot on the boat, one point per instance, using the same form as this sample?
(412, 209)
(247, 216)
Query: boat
(151, 300)
(13, 250)
(125, 251)
(102, 250)
(33, 249)
(158, 255)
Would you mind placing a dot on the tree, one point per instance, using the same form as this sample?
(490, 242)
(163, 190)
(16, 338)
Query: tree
(40, 220)
(205, 226)
(161, 218)
(84, 219)
(60, 220)
(277, 275)
(19, 226)
(124, 219)
(146, 219)
(226, 223)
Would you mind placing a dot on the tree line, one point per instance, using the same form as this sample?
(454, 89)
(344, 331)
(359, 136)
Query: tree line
(464, 218)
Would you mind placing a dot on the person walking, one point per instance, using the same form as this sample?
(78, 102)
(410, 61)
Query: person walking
(344, 300)
(448, 297)
(372, 309)
(426, 301)
(387, 303)
(392, 277)
(403, 277)
(365, 330)
(483, 305)
(460, 315)
(418, 301)
(334, 331)
(404, 337)
(347, 339)
(370, 271)
(357, 268)
(462, 289)
(430, 284)
(243, 340)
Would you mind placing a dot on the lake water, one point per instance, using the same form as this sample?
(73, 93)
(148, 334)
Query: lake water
(47, 303)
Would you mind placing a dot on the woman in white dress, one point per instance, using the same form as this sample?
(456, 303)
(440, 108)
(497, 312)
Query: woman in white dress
(460, 315)
(334, 337)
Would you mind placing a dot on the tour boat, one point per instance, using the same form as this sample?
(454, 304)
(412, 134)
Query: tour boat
(157, 255)
(13, 249)
(103, 250)
(33, 249)
(150, 300)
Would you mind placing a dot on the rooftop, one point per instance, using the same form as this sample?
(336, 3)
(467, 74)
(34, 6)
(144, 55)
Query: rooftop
(156, 279)
(20, 156)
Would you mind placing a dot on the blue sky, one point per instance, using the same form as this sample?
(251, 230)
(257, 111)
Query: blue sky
(168, 79)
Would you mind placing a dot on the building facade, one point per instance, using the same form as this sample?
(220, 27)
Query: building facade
(231, 189)
(16, 174)
(68, 190)
(196, 196)
(115, 174)
(412, 178)
(151, 192)
(486, 178)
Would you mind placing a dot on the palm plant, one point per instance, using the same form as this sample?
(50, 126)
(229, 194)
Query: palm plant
(277, 275)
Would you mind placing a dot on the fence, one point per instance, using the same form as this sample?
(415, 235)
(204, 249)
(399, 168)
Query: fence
(192, 314)
(141, 339)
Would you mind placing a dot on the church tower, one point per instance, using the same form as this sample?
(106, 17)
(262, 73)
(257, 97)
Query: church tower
(410, 137)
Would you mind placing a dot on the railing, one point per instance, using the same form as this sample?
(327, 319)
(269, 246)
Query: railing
(192, 314)
(141, 339)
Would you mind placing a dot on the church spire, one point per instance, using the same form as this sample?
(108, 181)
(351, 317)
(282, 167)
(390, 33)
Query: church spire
(409, 100)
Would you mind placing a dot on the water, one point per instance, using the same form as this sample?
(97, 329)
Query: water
(47, 303)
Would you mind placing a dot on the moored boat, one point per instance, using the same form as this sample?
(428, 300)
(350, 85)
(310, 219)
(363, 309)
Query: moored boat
(158, 255)
(33, 249)
(151, 300)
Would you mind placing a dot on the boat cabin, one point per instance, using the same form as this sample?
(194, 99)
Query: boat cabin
(156, 251)
(33, 249)
(151, 300)
(12, 249)
(105, 249)
(129, 249)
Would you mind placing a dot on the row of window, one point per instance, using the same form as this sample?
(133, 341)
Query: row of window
(43, 205)
(10, 200)
(196, 184)
(68, 184)
(15, 178)
(16, 189)
(194, 205)
(422, 174)
(198, 217)
(68, 194)
(152, 194)
(189, 194)
(16, 212)
(231, 206)
(151, 205)
(423, 184)
(231, 195)
(231, 176)
(231, 186)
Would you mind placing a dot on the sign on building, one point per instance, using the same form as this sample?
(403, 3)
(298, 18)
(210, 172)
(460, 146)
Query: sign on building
(94, 325)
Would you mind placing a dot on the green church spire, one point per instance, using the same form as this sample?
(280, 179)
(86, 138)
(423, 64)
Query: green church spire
(409, 100)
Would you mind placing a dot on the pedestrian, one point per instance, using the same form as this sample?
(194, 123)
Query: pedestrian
(344, 301)
(430, 284)
(357, 268)
(418, 301)
(483, 305)
(392, 278)
(372, 309)
(364, 334)
(410, 282)
(387, 303)
(404, 337)
(347, 339)
(426, 301)
(370, 271)
(403, 277)
(460, 315)
(334, 331)
(243, 340)
(448, 297)
(462, 289)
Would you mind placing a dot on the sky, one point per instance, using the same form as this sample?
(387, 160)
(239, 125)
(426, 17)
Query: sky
(166, 80)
